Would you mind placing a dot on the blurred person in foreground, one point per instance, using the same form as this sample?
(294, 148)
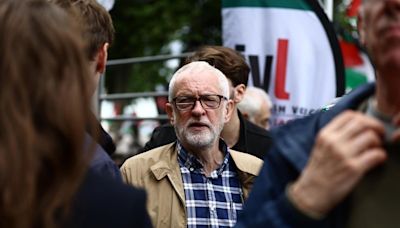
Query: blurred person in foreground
(98, 35)
(256, 107)
(330, 169)
(196, 181)
(238, 133)
(44, 151)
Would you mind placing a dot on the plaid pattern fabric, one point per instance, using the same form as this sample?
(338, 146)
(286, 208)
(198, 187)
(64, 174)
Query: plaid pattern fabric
(212, 201)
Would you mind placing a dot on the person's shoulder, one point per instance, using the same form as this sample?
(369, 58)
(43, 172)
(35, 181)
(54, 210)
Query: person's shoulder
(246, 162)
(255, 131)
(161, 135)
(150, 157)
(104, 202)
(101, 162)
(258, 140)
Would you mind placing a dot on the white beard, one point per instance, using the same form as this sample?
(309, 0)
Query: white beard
(203, 139)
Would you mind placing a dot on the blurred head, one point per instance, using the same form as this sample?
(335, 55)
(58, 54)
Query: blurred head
(256, 107)
(44, 100)
(198, 105)
(230, 63)
(379, 29)
(98, 32)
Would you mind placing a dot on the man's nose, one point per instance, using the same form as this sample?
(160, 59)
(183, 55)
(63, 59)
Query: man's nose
(198, 108)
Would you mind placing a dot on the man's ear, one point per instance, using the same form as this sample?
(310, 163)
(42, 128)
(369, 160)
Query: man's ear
(239, 91)
(170, 112)
(229, 110)
(101, 58)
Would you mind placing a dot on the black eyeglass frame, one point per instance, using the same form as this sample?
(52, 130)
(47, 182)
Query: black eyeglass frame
(193, 101)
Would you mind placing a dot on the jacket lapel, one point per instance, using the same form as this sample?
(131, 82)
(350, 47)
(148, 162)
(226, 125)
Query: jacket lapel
(168, 167)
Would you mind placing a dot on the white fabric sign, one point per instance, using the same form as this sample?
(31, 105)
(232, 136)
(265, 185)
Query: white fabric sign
(289, 54)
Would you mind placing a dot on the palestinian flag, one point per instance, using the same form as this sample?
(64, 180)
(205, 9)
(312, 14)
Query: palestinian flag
(292, 50)
(358, 68)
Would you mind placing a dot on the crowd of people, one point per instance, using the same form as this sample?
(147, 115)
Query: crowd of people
(215, 164)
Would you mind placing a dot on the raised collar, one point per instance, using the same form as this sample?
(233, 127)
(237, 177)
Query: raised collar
(295, 140)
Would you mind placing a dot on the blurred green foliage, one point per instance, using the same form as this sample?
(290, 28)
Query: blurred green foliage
(147, 27)
(345, 26)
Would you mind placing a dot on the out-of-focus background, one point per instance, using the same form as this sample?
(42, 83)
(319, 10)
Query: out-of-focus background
(154, 36)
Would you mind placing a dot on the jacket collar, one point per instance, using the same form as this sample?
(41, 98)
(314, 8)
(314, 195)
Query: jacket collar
(247, 171)
(167, 163)
(295, 140)
(168, 167)
(240, 160)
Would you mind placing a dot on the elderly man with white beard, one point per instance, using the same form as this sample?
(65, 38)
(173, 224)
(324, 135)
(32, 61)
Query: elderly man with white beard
(196, 181)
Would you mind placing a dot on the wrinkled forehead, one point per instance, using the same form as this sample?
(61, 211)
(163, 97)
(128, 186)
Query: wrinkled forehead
(197, 83)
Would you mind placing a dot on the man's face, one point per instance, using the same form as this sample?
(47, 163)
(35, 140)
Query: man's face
(198, 126)
(263, 116)
(379, 27)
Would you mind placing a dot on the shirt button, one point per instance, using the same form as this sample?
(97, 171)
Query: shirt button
(191, 169)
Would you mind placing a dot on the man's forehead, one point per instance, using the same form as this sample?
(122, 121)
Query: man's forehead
(198, 78)
(192, 82)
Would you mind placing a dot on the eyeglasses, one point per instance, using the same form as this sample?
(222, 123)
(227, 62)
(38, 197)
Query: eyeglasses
(185, 103)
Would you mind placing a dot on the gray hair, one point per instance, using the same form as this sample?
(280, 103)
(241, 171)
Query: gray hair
(195, 68)
(252, 100)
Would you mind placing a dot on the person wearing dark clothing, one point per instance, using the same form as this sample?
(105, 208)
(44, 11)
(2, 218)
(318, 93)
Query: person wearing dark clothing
(253, 139)
(106, 142)
(101, 162)
(268, 204)
(45, 150)
(98, 32)
(104, 202)
(340, 168)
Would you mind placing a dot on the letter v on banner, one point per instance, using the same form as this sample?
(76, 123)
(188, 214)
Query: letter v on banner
(292, 49)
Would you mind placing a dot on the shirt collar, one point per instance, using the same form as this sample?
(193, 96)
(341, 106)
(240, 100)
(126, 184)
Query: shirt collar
(189, 161)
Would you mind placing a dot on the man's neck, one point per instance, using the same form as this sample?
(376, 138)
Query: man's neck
(211, 158)
(388, 94)
(231, 130)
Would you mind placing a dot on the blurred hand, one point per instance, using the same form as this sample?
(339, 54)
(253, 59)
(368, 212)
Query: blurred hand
(344, 151)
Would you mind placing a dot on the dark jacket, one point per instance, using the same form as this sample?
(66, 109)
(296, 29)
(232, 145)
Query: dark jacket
(101, 162)
(268, 205)
(104, 202)
(103, 139)
(106, 142)
(253, 139)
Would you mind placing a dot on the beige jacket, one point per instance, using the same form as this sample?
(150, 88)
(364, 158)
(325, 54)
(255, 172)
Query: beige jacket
(157, 171)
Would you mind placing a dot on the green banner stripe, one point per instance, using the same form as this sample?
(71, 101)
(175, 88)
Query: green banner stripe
(288, 4)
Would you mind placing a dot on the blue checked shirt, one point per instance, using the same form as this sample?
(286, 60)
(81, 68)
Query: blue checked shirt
(212, 201)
